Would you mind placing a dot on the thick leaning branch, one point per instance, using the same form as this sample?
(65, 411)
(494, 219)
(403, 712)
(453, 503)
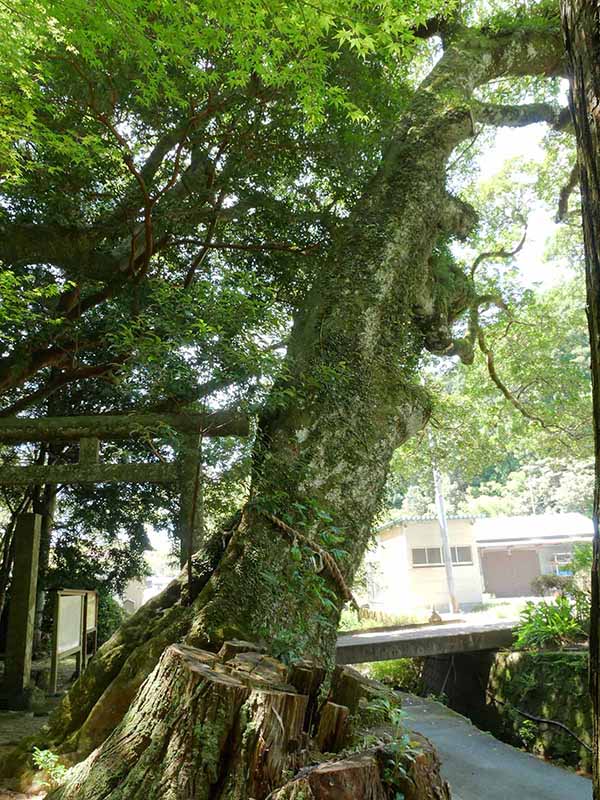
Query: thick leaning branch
(518, 116)
(104, 370)
(566, 192)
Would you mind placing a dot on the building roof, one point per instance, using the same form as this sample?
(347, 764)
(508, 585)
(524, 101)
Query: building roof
(513, 529)
(397, 521)
(534, 526)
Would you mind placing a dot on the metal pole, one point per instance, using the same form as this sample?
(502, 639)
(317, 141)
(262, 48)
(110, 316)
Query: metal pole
(443, 523)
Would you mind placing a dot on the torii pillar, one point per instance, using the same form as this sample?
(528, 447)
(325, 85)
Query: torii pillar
(21, 616)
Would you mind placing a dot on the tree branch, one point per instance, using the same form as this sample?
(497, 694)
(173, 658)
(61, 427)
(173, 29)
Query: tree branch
(565, 193)
(103, 370)
(502, 253)
(517, 116)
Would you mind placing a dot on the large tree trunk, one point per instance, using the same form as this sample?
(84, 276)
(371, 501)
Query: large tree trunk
(349, 399)
(581, 25)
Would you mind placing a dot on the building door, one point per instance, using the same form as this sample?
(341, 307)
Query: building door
(509, 573)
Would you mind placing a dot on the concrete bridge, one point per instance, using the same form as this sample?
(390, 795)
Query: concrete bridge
(380, 644)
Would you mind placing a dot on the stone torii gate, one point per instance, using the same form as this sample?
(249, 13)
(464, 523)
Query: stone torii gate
(189, 428)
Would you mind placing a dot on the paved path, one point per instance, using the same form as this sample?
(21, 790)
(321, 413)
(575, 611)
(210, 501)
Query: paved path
(366, 646)
(479, 767)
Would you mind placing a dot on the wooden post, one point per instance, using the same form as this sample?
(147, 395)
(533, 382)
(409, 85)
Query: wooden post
(190, 504)
(21, 618)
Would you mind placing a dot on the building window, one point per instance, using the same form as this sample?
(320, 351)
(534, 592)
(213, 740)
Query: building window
(461, 555)
(432, 556)
(427, 557)
(562, 563)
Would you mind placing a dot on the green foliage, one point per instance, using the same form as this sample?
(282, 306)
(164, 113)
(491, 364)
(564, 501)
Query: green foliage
(582, 559)
(527, 732)
(110, 616)
(545, 584)
(402, 673)
(49, 762)
(552, 685)
(399, 750)
(549, 624)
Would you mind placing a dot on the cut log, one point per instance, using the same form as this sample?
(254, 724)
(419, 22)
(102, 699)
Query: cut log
(258, 670)
(419, 777)
(369, 776)
(353, 779)
(349, 687)
(209, 729)
(271, 745)
(170, 740)
(307, 678)
(234, 646)
(333, 728)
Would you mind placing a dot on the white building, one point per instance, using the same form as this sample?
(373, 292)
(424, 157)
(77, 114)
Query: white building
(138, 592)
(497, 557)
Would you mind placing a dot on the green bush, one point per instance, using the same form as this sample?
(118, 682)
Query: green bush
(401, 673)
(581, 561)
(49, 762)
(545, 584)
(554, 624)
(110, 616)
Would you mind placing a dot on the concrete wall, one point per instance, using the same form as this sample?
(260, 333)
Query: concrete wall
(552, 685)
(397, 586)
(492, 687)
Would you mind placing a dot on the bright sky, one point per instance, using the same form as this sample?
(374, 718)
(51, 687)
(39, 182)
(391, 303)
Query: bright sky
(518, 143)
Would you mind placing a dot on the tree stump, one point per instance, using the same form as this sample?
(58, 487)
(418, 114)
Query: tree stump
(333, 728)
(349, 687)
(307, 678)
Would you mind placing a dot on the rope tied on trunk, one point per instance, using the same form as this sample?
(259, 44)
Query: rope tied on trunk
(328, 561)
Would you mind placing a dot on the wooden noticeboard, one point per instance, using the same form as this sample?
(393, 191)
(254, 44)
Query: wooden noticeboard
(75, 622)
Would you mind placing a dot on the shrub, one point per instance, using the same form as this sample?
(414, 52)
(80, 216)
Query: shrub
(546, 584)
(49, 762)
(581, 562)
(401, 673)
(549, 624)
(110, 616)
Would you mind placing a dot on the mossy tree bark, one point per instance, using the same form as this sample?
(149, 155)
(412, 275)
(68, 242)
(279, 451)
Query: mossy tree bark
(581, 26)
(350, 398)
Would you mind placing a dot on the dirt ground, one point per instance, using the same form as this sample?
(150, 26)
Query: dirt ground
(17, 725)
